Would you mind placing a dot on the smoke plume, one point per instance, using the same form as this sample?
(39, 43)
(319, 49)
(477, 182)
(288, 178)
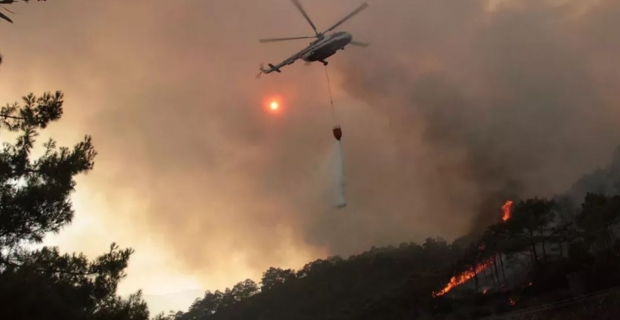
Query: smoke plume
(455, 106)
(494, 103)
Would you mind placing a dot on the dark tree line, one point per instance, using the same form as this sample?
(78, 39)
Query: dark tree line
(332, 286)
(35, 201)
(548, 240)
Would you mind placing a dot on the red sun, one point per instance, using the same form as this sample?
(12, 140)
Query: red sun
(273, 104)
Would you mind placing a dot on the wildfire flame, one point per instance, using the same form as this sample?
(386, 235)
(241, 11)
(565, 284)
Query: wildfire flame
(507, 209)
(466, 275)
(462, 278)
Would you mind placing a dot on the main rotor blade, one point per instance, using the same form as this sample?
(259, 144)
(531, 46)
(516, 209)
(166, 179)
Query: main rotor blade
(284, 39)
(356, 11)
(301, 9)
(359, 44)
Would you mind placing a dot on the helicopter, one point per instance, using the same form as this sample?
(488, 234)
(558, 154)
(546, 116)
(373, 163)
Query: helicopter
(325, 45)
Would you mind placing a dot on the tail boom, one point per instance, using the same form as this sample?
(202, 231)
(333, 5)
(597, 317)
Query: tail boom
(272, 69)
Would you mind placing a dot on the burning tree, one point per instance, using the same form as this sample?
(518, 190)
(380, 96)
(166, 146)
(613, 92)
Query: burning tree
(482, 254)
(529, 226)
(462, 278)
(507, 210)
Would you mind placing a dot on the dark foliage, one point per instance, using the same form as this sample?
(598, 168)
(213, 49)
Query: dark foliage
(541, 254)
(3, 2)
(34, 201)
(359, 286)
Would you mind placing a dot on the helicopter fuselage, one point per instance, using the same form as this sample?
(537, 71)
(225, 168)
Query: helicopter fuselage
(325, 45)
(321, 49)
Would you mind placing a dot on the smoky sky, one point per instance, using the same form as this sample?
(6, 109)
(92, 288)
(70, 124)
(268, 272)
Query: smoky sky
(511, 105)
(454, 107)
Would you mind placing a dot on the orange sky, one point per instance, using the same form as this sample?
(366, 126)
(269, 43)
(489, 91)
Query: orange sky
(449, 103)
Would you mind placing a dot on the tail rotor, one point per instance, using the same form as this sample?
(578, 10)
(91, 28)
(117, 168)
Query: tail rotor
(261, 71)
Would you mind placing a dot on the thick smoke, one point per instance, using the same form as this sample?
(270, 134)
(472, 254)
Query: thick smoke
(509, 106)
(605, 180)
(455, 106)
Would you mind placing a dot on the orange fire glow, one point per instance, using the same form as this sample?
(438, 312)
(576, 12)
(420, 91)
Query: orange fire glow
(507, 209)
(462, 278)
(273, 105)
(465, 276)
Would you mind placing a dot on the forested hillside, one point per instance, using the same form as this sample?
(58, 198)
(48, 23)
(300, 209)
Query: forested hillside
(539, 251)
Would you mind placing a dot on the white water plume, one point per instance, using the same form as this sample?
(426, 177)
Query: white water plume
(339, 175)
(330, 178)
